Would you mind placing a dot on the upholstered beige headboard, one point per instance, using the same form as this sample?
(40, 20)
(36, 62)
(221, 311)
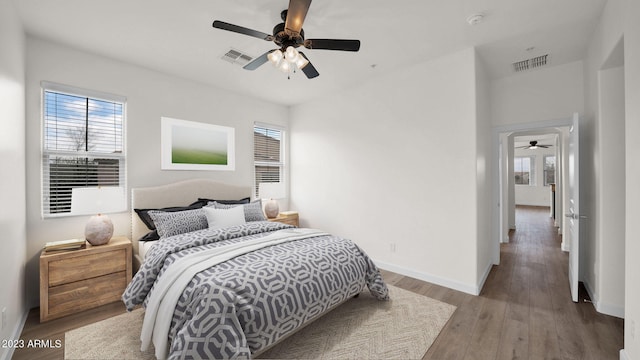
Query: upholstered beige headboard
(177, 194)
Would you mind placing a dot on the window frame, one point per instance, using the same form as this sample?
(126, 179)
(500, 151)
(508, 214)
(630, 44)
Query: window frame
(532, 172)
(281, 165)
(544, 169)
(45, 180)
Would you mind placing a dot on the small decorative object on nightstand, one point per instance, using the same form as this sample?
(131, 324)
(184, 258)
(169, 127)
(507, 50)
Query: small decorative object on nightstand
(271, 192)
(77, 280)
(97, 200)
(288, 217)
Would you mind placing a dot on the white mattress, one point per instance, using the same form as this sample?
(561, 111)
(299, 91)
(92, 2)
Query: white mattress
(143, 247)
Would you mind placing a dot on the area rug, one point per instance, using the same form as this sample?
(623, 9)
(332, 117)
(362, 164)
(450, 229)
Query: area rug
(361, 328)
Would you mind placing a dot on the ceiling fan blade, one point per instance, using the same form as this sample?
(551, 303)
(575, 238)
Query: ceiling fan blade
(295, 15)
(309, 69)
(242, 30)
(259, 61)
(332, 44)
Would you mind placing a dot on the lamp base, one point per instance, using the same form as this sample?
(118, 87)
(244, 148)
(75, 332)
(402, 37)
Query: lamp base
(98, 230)
(271, 209)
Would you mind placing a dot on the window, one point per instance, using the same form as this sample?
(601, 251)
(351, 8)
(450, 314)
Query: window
(549, 162)
(83, 144)
(523, 170)
(268, 150)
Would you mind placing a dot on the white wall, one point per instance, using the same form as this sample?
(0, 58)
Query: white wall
(538, 194)
(488, 242)
(544, 94)
(611, 194)
(393, 162)
(603, 267)
(12, 179)
(150, 95)
(632, 175)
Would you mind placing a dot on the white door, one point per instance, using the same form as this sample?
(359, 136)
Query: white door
(574, 208)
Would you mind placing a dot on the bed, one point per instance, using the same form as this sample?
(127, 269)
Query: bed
(235, 288)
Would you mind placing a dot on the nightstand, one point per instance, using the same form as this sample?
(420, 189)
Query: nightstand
(292, 219)
(77, 280)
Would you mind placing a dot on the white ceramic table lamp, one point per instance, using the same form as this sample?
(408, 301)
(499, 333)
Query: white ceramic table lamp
(97, 201)
(271, 192)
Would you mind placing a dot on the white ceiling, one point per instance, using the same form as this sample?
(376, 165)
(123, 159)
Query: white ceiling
(176, 37)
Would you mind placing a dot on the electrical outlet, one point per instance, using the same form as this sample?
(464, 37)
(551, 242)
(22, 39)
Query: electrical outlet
(392, 247)
(4, 317)
(632, 329)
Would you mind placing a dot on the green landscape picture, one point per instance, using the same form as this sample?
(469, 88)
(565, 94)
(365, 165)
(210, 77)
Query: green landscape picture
(198, 146)
(194, 156)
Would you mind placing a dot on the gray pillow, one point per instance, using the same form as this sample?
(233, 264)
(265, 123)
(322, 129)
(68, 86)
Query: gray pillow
(174, 223)
(252, 210)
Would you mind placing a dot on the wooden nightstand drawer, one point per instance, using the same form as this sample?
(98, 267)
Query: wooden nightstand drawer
(86, 267)
(77, 280)
(86, 294)
(290, 219)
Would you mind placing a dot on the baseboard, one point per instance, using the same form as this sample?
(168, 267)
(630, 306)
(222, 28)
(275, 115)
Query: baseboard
(609, 309)
(623, 355)
(603, 308)
(484, 278)
(590, 292)
(451, 284)
(17, 331)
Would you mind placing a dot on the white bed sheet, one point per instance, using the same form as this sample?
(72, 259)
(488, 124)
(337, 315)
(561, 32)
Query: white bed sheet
(143, 247)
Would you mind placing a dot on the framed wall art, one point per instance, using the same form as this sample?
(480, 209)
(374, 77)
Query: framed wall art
(189, 145)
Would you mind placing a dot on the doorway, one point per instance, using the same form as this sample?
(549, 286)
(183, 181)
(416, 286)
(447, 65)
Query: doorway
(506, 139)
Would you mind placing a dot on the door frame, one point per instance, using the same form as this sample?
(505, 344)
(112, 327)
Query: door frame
(498, 216)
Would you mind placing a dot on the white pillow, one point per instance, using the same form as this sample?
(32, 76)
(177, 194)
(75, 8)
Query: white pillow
(222, 218)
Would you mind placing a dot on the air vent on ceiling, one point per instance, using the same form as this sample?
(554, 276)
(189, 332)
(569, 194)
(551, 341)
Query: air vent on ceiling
(237, 57)
(532, 63)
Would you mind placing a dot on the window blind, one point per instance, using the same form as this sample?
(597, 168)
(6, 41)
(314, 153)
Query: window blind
(267, 154)
(83, 146)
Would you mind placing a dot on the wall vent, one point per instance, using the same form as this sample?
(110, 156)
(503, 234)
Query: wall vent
(532, 63)
(237, 57)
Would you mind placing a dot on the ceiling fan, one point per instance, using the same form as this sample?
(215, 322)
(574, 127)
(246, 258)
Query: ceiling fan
(289, 35)
(533, 145)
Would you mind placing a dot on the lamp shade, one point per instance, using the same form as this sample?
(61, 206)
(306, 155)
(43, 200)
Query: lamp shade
(97, 200)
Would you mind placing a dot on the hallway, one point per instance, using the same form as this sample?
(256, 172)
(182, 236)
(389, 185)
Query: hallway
(539, 278)
(525, 309)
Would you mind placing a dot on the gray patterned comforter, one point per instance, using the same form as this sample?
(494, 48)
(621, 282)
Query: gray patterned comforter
(241, 306)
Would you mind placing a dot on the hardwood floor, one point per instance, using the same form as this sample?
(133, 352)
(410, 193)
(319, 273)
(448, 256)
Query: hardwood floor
(524, 311)
(54, 330)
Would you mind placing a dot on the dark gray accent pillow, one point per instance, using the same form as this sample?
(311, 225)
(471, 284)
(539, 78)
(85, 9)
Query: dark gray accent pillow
(150, 236)
(147, 220)
(204, 201)
(178, 222)
(252, 211)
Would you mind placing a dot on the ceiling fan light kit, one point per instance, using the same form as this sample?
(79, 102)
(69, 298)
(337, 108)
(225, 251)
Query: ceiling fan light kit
(289, 35)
